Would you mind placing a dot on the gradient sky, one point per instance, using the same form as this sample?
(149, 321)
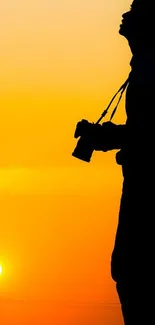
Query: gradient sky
(60, 61)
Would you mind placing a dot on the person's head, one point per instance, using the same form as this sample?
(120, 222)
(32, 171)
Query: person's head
(138, 25)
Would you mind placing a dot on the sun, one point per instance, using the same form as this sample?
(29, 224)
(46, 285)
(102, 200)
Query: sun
(1, 269)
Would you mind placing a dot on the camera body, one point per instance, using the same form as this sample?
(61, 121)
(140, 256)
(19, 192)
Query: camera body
(85, 145)
(92, 134)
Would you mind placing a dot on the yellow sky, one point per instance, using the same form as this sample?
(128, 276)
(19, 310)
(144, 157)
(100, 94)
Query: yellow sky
(60, 61)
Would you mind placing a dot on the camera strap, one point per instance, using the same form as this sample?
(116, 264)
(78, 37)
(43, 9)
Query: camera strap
(121, 91)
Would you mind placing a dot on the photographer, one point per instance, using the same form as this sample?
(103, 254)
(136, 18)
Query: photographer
(132, 264)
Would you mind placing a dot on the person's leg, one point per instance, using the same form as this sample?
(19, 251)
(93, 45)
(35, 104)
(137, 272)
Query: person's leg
(125, 300)
(137, 301)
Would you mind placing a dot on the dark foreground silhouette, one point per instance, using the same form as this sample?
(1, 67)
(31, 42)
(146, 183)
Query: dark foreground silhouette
(132, 263)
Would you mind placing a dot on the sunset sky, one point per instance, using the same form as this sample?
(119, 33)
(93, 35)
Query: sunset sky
(60, 61)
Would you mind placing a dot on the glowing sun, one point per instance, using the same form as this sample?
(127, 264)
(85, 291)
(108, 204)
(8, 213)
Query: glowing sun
(1, 269)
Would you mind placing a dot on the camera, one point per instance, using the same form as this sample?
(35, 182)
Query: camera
(85, 145)
(91, 134)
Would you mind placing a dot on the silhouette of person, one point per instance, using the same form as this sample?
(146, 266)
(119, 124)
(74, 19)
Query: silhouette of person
(132, 263)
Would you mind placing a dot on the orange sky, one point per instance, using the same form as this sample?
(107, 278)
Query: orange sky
(60, 61)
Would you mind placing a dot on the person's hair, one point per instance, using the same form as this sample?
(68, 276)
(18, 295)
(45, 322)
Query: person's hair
(144, 9)
(144, 17)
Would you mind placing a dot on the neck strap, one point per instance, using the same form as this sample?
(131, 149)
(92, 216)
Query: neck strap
(121, 91)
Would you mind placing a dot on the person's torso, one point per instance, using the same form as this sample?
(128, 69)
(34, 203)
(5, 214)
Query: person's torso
(138, 148)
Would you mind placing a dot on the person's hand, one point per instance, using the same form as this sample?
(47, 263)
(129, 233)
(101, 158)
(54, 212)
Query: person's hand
(104, 136)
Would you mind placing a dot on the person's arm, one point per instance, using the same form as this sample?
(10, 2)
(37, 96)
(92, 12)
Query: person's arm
(110, 137)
